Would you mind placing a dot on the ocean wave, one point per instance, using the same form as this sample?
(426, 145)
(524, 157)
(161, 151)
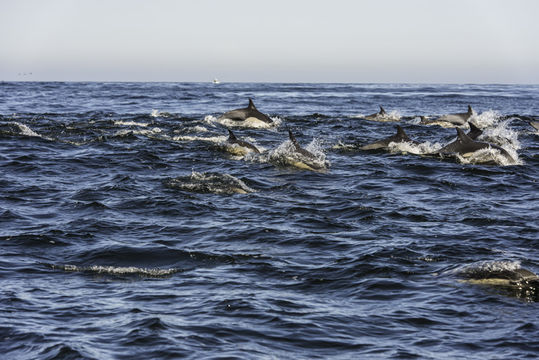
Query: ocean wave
(117, 270)
(17, 128)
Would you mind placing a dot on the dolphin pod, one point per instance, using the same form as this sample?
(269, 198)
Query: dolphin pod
(464, 145)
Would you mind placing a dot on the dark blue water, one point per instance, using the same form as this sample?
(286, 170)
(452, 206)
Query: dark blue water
(128, 231)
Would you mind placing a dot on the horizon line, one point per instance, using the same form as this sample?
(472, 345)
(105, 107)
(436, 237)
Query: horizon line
(268, 82)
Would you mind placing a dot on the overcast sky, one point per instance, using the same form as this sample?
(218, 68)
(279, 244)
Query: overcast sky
(457, 41)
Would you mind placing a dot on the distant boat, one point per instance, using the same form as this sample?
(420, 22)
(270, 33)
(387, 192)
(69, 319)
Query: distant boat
(216, 81)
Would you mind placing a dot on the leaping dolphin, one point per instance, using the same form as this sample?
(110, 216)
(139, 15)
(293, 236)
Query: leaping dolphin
(307, 160)
(377, 115)
(454, 119)
(232, 139)
(246, 113)
(465, 146)
(399, 137)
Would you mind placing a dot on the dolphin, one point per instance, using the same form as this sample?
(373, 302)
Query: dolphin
(299, 149)
(454, 119)
(243, 114)
(474, 132)
(465, 146)
(307, 159)
(503, 276)
(399, 137)
(377, 115)
(232, 139)
(519, 282)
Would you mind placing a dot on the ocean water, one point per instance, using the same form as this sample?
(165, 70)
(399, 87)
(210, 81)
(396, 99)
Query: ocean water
(129, 230)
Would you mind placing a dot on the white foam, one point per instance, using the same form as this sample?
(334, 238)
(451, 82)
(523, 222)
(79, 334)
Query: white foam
(411, 148)
(211, 139)
(130, 123)
(485, 119)
(490, 155)
(393, 115)
(247, 123)
(152, 131)
(157, 113)
(119, 270)
(342, 146)
(211, 182)
(488, 266)
(25, 130)
(502, 135)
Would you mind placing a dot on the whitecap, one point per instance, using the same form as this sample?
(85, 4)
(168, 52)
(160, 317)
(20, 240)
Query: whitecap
(247, 123)
(118, 270)
(130, 123)
(22, 129)
(211, 139)
(411, 148)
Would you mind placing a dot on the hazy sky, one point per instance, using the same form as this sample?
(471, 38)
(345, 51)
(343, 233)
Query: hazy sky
(484, 41)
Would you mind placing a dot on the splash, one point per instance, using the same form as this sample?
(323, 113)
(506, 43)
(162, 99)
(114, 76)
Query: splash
(153, 131)
(490, 156)
(16, 128)
(391, 116)
(488, 267)
(208, 182)
(211, 139)
(286, 155)
(130, 123)
(416, 149)
(118, 270)
(156, 113)
(485, 119)
(247, 123)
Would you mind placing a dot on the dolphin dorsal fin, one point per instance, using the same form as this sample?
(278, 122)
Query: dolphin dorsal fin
(251, 104)
(400, 132)
(473, 127)
(382, 111)
(231, 135)
(470, 110)
(293, 139)
(462, 136)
